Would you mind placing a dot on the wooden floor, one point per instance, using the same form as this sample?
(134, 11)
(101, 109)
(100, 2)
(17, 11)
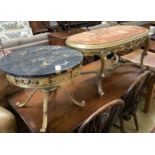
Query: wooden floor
(64, 116)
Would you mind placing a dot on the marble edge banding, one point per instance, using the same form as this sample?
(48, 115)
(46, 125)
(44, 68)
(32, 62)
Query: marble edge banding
(46, 75)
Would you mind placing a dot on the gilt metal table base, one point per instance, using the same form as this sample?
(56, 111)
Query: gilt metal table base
(112, 39)
(43, 68)
(45, 110)
(47, 92)
(129, 45)
(20, 105)
(48, 85)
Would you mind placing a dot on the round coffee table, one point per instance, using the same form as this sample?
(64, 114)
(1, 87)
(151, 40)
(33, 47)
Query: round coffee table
(42, 68)
(112, 39)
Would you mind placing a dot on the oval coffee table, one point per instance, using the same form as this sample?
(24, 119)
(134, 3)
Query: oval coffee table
(112, 39)
(42, 68)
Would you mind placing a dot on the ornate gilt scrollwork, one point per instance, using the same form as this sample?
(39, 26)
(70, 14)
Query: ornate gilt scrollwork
(48, 85)
(43, 82)
(116, 48)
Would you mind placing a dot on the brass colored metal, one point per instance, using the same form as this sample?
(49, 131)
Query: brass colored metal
(45, 108)
(81, 104)
(144, 53)
(103, 49)
(48, 85)
(97, 47)
(20, 105)
(113, 48)
(45, 82)
(101, 74)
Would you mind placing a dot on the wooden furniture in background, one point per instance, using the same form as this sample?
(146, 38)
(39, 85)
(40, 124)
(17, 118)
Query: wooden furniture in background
(132, 98)
(149, 62)
(103, 118)
(65, 116)
(39, 26)
(146, 24)
(59, 38)
(67, 25)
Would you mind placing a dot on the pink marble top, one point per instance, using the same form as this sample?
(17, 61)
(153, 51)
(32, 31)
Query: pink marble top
(107, 35)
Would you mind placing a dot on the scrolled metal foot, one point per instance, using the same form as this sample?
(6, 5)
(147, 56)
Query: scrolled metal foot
(100, 90)
(101, 93)
(81, 104)
(102, 75)
(42, 130)
(20, 105)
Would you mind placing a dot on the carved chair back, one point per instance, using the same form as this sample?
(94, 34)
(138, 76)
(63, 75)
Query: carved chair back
(133, 95)
(102, 119)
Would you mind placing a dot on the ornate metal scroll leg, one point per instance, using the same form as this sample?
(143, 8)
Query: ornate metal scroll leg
(81, 104)
(45, 108)
(101, 75)
(144, 53)
(19, 105)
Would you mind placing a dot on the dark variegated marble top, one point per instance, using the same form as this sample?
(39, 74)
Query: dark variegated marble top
(40, 61)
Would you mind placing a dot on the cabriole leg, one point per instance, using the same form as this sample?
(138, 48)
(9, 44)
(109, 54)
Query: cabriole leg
(144, 53)
(19, 105)
(101, 75)
(45, 108)
(81, 104)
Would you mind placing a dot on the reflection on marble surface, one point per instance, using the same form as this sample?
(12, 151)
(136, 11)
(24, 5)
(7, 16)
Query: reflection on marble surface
(40, 61)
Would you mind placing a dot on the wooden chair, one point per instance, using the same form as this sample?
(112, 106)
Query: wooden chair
(102, 119)
(150, 64)
(132, 97)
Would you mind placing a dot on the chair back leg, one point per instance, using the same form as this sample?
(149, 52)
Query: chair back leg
(136, 121)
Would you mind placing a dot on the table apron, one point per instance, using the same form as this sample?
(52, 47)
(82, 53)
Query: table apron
(117, 48)
(45, 82)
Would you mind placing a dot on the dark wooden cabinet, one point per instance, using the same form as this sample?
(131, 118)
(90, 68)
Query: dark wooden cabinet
(67, 25)
(59, 38)
(39, 26)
